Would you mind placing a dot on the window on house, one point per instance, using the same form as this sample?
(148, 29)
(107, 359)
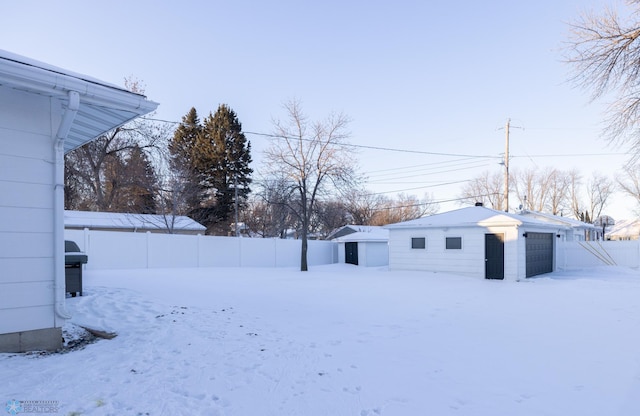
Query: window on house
(453, 243)
(419, 242)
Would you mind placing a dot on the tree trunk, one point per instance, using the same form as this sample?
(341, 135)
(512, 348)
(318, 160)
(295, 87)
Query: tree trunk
(303, 253)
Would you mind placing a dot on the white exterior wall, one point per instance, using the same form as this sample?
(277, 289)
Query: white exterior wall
(468, 261)
(370, 253)
(376, 252)
(26, 210)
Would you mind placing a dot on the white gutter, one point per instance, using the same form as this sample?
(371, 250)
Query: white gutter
(49, 81)
(59, 291)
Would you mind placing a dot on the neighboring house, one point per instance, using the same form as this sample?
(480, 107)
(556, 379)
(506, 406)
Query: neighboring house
(578, 230)
(368, 248)
(46, 112)
(350, 229)
(475, 241)
(624, 230)
(111, 221)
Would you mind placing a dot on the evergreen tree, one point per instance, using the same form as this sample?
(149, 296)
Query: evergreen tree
(216, 156)
(187, 188)
(223, 155)
(184, 140)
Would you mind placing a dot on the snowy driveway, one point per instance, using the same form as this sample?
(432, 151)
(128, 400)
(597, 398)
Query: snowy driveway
(342, 340)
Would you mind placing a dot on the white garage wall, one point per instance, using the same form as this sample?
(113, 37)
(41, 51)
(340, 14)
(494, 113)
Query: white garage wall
(124, 250)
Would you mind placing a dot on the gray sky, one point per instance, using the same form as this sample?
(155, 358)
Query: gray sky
(427, 76)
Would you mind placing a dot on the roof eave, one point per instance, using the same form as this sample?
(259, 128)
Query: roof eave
(111, 105)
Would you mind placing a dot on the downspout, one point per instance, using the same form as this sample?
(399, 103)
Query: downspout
(58, 206)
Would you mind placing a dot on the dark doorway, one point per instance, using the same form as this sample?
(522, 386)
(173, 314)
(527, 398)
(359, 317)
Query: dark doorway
(351, 253)
(494, 256)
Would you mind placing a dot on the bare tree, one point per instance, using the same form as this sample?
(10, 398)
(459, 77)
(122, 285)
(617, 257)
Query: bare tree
(604, 50)
(329, 215)
(174, 193)
(629, 182)
(487, 188)
(559, 183)
(534, 188)
(313, 158)
(574, 188)
(104, 173)
(403, 208)
(268, 213)
(96, 173)
(362, 205)
(599, 189)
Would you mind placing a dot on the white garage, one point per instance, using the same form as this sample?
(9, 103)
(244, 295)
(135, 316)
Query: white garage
(475, 241)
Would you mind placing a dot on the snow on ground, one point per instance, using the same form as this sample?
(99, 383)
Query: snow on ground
(343, 340)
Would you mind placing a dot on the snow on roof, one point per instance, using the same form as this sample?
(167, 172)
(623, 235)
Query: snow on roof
(113, 220)
(625, 228)
(558, 219)
(350, 229)
(470, 217)
(370, 234)
(52, 68)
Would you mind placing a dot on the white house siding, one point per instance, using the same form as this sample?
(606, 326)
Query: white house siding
(26, 214)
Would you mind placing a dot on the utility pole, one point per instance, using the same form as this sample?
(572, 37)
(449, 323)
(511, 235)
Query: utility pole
(507, 127)
(506, 166)
(235, 188)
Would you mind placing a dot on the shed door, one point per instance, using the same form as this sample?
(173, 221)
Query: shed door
(539, 249)
(494, 256)
(351, 253)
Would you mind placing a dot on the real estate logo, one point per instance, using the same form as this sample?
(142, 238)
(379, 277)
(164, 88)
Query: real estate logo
(15, 407)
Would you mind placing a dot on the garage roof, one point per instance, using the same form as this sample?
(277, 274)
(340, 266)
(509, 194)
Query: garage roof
(473, 216)
(103, 106)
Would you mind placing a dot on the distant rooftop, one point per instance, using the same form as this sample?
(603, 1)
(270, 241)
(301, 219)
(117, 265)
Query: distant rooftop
(130, 222)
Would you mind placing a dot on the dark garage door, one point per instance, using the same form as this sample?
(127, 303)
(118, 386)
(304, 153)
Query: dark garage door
(539, 249)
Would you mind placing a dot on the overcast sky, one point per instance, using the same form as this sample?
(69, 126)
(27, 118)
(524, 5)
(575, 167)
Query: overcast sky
(423, 76)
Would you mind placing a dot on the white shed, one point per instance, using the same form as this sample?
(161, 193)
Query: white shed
(475, 241)
(368, 248)
(45, 112)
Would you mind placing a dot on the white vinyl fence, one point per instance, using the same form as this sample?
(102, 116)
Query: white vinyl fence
(126, 250)
(582, 254)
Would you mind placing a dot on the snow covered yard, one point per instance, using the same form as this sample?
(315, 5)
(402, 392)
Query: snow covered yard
(343, 340)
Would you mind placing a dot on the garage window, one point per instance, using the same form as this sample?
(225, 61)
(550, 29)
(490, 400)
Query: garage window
(419, 243)
(453, 243)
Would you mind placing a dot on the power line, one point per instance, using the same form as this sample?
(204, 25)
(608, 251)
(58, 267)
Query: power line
(421, 151)
(388, 149)
(421, 165)
(419, 187)
(455, 168)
